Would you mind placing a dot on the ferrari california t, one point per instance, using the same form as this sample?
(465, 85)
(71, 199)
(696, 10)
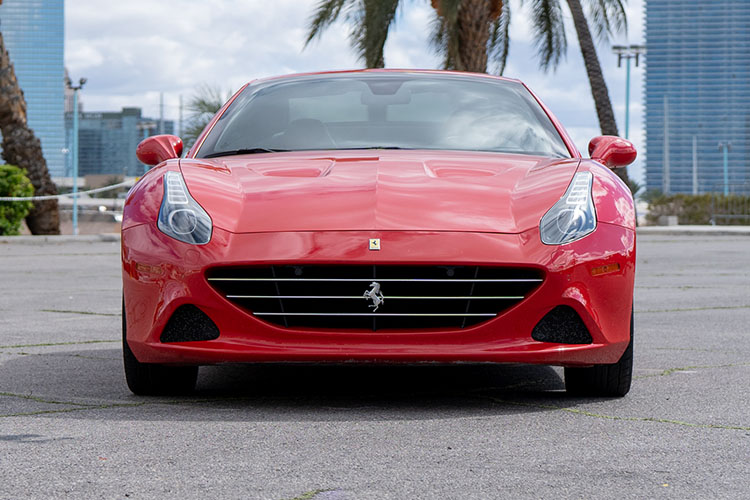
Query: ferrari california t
(380, 216)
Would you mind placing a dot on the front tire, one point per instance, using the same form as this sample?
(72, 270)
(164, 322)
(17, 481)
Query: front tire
(149, 379)
(603, 380)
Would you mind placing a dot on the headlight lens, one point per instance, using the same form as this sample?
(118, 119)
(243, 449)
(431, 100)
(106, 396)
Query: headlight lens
(180, 216)
(574, 216)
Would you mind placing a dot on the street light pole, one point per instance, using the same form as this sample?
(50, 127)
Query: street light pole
(74, 148)
(628, 53)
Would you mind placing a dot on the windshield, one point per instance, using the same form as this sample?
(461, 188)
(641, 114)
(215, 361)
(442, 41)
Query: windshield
(376, 110)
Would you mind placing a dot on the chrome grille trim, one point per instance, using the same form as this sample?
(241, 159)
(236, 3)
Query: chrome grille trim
(374, 296)
(396, 315)
(385, 280)
(359, 297)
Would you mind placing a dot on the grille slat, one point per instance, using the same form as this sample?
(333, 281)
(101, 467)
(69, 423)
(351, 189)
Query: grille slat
(360, 297)
(414, 297)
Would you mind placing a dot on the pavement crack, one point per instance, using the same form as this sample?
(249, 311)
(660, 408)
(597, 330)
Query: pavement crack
(688, 309)
(57, 355)
(51, 344)
(309, 495)
(69, 410)
(670, 371)
(87, 313)
(603, 416)
(38, 399)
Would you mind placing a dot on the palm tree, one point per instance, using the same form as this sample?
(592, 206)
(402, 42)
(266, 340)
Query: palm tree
(607, 17)
(466, 32)
(370, 21)
(23, 149)
(201, 107)
(469, 33)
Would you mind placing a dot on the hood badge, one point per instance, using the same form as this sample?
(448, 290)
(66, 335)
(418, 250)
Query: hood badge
(375, 295)
(374, 243)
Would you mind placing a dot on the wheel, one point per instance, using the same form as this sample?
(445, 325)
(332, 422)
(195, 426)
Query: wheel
(603, 380)
(149, 379)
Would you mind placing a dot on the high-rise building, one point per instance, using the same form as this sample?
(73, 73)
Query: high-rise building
(33, 32)
(697, 96)
(107, 141)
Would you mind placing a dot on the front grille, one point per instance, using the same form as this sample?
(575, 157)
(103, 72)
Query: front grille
(425, 297)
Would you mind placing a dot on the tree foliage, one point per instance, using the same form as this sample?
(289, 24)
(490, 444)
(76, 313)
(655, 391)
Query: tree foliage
(369, 22)
(14, 182)
(205, 102)
(691, 209)
(469, 34)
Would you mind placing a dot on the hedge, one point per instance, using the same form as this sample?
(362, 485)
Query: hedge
(698, 209)
(13, 182)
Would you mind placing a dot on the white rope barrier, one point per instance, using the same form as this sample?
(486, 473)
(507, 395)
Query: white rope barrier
(67, 195)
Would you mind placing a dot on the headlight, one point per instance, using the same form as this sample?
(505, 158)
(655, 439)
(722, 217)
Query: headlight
(180, 216)
(574, 216)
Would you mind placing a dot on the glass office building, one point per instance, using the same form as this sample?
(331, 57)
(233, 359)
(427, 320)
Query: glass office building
(33, 31)
(697, 92)
(107, 141)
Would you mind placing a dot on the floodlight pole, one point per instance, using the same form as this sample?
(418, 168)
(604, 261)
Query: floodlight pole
(74, 147)
(628, 53)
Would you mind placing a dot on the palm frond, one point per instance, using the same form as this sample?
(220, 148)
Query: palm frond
(549, 31)
(371, 22)
(499, 42)
(607, 17)
(445, 32)
(201, 107)
(326, 13)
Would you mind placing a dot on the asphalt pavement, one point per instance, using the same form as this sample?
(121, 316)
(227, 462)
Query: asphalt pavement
(69, 427)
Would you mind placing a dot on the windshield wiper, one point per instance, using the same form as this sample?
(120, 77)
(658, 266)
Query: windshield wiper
(246, 151)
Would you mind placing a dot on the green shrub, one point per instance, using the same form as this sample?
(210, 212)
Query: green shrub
(697, 209)
(13, 182)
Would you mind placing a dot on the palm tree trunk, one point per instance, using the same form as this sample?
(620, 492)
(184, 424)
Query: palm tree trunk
(599, 91)
(473, 33)
(22, 148)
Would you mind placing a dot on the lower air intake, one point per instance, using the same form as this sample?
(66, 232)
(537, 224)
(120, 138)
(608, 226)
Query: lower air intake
(562, 325)
(189, 324)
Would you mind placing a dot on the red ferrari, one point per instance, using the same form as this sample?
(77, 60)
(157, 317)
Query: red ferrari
(380, 216)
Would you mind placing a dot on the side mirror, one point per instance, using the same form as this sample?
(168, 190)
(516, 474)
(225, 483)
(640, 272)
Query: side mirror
(612, 151)
(158, 148)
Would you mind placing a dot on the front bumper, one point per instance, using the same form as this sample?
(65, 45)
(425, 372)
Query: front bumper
(161, 274)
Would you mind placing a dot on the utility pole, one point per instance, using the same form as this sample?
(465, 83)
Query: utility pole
(667, 187)
(726, 147)
(75, 90)
(180, 122)
(628, 53)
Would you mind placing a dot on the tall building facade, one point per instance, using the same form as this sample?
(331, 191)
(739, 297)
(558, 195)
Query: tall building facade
(107, 141)
(697, 92)
(33, 32)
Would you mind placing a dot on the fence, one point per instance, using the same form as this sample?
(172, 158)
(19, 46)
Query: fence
(733, 208)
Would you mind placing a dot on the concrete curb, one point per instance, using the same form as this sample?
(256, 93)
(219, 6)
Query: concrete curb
(59, 239)
(695, 230)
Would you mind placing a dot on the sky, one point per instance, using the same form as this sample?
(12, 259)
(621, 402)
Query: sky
(132, 51)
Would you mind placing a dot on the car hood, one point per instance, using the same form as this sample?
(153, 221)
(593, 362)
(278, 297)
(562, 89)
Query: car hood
(378, 190)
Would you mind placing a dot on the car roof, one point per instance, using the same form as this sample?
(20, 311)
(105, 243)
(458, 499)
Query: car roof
(334, 73)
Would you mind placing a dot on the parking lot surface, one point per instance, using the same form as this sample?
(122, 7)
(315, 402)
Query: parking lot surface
(69, 427)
